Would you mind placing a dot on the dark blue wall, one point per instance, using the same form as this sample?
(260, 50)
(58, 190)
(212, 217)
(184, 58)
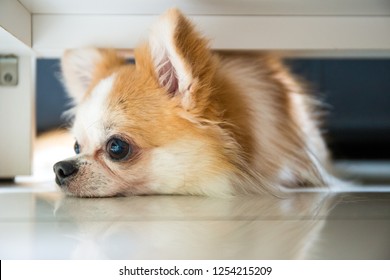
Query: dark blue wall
(356, 94)
(51, 100)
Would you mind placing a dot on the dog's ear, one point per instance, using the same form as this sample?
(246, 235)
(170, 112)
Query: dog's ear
(180, 57)
(78, 67)
(82, 67)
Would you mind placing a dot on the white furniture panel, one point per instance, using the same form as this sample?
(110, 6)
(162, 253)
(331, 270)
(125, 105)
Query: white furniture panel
(17, 122)
(16, 102)
(16, 21)
(212, 7)
(52, 33)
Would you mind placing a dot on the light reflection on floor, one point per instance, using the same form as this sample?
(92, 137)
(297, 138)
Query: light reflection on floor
(47, 225)
(37, 222)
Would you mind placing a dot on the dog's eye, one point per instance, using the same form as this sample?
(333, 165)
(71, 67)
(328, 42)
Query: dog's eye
(76, 147)
(117, 149)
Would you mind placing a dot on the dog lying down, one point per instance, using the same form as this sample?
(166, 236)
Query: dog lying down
(186, 120)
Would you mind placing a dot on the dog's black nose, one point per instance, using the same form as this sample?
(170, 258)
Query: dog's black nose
(64, 170)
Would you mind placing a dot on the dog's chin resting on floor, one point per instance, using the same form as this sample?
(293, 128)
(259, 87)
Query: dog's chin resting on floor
(186, 120)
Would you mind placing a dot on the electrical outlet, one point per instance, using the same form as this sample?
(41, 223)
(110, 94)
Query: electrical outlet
(8, 70)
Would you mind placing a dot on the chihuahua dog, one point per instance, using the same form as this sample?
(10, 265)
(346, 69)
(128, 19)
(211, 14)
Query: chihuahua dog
(187, 120)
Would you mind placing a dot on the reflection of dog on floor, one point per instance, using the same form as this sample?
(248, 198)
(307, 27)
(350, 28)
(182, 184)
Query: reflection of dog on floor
(175, 227)
(186, 120)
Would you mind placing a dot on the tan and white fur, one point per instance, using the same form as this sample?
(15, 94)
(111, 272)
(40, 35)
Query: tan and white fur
(197, 122)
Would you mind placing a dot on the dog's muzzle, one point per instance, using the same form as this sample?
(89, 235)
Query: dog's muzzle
(64, 171)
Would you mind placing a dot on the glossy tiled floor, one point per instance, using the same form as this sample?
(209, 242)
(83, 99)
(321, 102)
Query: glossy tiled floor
(43, 224)
(37, 222)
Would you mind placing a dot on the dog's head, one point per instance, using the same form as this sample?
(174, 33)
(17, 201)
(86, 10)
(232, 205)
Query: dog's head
(148, 127)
